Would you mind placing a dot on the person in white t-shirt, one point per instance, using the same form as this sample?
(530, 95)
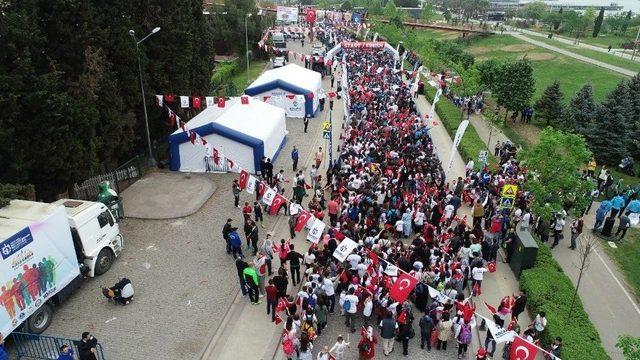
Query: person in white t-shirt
(353, 260)
(540, 322)
(351, 309)
(477, 274)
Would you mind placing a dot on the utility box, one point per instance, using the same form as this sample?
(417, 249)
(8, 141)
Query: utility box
(524, 252)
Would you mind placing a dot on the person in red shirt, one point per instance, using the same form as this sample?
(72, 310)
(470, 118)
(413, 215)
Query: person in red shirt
(333, 208)
(246, 211)
(367, 344)
(272, 299)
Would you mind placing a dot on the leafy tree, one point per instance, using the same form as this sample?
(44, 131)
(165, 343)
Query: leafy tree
(609, 136)
(10, 192)
(428, 13)
(552, 178)
(558, 20)
(590, 14)
(576, 24)
(453, 52)
(489, 71)
(597, 25)
(346, 6)
(533, 10)
(407, 3)
(514, 85)
(470, 84)
(447, 15)
(390, 9)
(630, 346)
(375, 7)
(582, 111)
(549, 106)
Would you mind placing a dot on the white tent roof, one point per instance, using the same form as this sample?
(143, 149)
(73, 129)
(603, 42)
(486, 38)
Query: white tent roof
(294, 74)
(209, 114)
(254, 119)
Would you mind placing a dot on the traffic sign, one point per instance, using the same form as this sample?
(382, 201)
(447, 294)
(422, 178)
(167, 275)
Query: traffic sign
(509, 191)
(326, 126)
(326, 134)
(506, 203)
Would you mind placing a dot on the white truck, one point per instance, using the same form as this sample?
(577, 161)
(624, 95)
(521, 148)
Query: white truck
(45, 252)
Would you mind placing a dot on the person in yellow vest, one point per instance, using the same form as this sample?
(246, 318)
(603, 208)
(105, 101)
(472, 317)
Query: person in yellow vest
(591, 167)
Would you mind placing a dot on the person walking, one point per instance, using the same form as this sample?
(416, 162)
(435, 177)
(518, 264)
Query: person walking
(339, 348)
(557, 230)
(253, 236)
(331, 103)
(305, 121)
(293, 257)
(268, 170)
(235, 242)
(87, 347)
(463, 336)
(240, 266)
(319, 156)
(294, 157)
(258, 213)
(519, 304)
(426, 328)
(333, 79)
(350, 307)
(267, 250)
(625, 223)
(272, 299)
(445, 330)
(388, 327)
(367, 344)
(235, 189)
(576, 230)
(226, 229)
(251, 279)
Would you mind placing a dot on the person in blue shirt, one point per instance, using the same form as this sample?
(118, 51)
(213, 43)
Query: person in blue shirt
(66, 353)
(3, 354)
(235, 242)
(294, 157)
(601, 213)
(617, 204)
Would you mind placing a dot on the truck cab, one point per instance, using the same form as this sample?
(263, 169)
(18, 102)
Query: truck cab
(96, 235)
(279, 42)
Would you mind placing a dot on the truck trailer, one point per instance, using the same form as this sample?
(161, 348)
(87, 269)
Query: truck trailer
(46, 250)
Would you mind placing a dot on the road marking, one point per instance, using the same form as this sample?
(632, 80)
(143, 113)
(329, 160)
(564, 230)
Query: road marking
(633, 303)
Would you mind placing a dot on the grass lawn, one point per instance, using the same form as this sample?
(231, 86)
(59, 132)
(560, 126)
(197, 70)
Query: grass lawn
(603, 40)
(626, 256)
(608, 58)
(240, 79)
(438, 34)
(547, 66)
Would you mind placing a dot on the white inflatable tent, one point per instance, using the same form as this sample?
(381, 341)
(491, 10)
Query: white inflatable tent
(244, 133)
(291, 87)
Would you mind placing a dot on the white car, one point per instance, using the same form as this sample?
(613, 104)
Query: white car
(278, 62)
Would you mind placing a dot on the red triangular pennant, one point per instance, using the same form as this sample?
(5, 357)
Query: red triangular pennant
(192, 136)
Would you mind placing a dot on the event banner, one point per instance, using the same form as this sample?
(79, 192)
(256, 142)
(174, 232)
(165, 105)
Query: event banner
(35, 263)
(287, 13)
(362, 44)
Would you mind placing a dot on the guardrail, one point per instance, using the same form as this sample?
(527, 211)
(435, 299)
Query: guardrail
(42, 347)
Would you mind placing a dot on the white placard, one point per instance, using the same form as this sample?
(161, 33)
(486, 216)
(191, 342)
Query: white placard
(315, 233)
(184, 101)
(287, 13)
(344, 249)
(251, 184)
(268, 196)
(500, 334)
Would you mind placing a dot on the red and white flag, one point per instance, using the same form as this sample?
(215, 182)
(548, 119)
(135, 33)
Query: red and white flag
(403, 287)
(244, 178)
(261, 188)
(522, 350)
(216, 156)
(278, 201)
(492, 309)
(303, 217)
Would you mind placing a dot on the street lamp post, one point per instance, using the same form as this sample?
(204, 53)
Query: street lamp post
(246, 38)
(152, 160)
(635, 44)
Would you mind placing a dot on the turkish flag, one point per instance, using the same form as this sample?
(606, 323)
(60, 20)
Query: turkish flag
(278, 201)
(169, 98)
(244, 178)
(302, 220)
(216, 156)
(374, 258)
(244, 100)
(492, 309)
(197, 102)
(172, 118)
(522, 350)
(278, 320)
(311, 16)
(261, 188)
(221, 102)
(192, 136)
(492, 266)
(403, 287)
(291, 96)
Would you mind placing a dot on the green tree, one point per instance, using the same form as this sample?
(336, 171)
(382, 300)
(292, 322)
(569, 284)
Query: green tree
(630, 346)
(576, 24)
(582, 111)
(552, 178)
(590, 14)
(447, 15)
(489, 71)
(390, 10)
(407, 3)
(428, 13)
(533, 10)
(558, 19)
(375, 7)
(346, 6)
(10, 192)
(549, 106)
(515, 85)
(609, 136)
(634, 94)
(597, 25)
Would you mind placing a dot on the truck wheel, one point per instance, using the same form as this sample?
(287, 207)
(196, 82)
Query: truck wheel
(40, 320)
(104, 262)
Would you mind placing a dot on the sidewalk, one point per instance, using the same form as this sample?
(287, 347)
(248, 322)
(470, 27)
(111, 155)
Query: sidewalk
(614, 52)
(487, 131)
(601, 64)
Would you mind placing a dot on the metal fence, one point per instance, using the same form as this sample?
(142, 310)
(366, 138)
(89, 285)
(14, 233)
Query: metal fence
(41, 347)
(119, 179)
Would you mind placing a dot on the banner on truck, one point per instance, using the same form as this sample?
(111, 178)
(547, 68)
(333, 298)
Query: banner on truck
(37, 262)
(287, 13)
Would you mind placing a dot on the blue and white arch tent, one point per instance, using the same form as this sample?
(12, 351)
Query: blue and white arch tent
(244, 133)
(291, 87)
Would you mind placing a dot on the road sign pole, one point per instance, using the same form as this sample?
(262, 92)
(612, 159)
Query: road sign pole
(330, 138)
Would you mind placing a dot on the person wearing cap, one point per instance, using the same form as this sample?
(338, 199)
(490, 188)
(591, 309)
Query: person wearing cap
(481, 354)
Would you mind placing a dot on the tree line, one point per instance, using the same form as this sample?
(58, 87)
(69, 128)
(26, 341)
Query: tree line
(71, 98)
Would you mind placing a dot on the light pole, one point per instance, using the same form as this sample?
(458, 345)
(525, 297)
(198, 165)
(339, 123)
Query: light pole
(152, 160)
(635, 44)
(246, 38)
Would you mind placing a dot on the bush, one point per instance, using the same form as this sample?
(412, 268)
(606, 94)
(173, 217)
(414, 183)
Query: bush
(551, 291)
(223, 73)
(451, 117)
